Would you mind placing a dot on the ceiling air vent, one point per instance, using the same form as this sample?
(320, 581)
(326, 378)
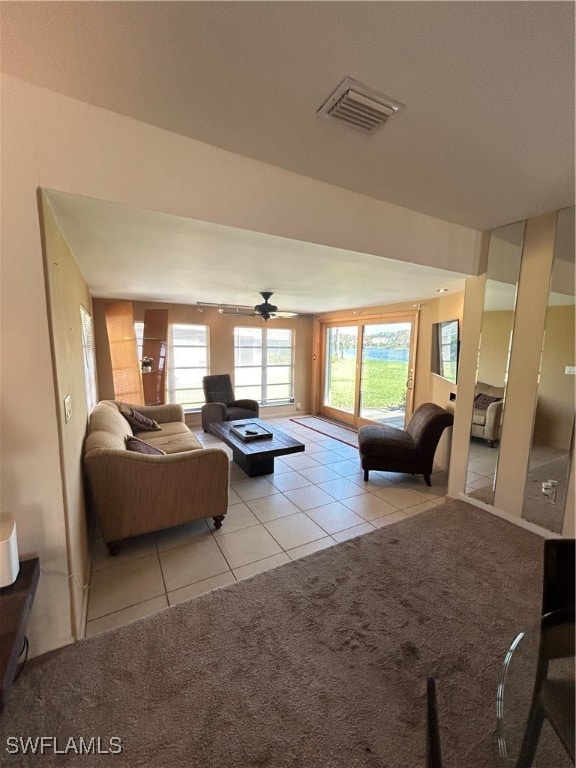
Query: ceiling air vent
(359, 106)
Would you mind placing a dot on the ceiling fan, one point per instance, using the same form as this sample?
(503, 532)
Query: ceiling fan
(266, 310)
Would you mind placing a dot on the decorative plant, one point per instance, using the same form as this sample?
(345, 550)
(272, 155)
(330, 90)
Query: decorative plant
(147, 362)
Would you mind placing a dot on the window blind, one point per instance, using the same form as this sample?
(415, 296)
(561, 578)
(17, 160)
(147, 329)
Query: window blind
(89, 355)
(123, 355)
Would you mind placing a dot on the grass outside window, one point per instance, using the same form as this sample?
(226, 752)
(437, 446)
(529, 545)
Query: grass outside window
(383, 384)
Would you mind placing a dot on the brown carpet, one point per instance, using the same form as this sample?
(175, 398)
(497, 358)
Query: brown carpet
(320, 663)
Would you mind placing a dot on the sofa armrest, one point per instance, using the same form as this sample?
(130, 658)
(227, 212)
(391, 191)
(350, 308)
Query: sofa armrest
(493, 419)
(212, 412)
(160, 413)
(135, 493)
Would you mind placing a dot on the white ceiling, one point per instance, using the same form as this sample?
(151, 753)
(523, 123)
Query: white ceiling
(127, 253)
(487, 136)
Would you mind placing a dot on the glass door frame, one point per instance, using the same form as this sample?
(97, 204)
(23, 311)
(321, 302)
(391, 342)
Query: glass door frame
(326, 410)
(354, 419)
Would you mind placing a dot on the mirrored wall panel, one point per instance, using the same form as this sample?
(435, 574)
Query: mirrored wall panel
(553, 433)
(502, 273)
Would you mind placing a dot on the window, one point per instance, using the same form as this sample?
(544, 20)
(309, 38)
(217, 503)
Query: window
(139, 333)
(445, 340)
(187, 364)
(89, 356)
(263, 364)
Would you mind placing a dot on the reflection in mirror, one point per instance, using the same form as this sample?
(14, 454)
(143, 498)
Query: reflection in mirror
(553, 433)
(445, 347)
(502, 272)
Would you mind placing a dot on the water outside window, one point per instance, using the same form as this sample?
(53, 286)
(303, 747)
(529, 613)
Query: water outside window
(385, 371)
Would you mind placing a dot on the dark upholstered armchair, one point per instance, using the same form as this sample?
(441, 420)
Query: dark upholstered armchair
(390, 449)
(221, 404)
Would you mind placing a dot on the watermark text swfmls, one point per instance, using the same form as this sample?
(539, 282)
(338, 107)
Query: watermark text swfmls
(53, 745)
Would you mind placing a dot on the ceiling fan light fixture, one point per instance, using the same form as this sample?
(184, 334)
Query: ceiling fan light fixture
(265, 310)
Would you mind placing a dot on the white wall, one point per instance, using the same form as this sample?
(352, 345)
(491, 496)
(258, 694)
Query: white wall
(67, 291)
(30, 479)
(53, 141)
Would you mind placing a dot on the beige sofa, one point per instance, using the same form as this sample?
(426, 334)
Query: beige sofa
(134, 493)
(487, 421)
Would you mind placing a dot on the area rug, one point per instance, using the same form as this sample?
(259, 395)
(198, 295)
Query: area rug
(338, 432)
(320, 663)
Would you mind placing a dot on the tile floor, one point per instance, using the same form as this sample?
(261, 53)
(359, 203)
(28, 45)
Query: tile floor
(482, 462)
(313, 500)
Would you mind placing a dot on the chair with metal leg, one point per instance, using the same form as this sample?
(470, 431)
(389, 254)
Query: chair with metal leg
(433, 748)
(553, 695)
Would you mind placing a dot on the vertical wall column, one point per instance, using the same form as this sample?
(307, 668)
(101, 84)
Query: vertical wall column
(522, 386)
(467, 365)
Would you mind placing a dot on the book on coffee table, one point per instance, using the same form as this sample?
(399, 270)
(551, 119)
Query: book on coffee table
(250, 431)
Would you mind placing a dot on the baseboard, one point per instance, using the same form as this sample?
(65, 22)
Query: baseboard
(84, 614)
(510, 518)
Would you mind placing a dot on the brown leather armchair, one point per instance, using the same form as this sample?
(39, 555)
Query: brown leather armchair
(221, 404)
(390, 449)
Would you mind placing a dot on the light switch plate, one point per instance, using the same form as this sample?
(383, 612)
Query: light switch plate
(570, 370)
(68, 408)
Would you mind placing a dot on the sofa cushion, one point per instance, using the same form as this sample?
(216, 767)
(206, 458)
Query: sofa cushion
(482, 401)
(240, 413)
(489, 389)
(168, 428)
(108, 429)
(137, 421)
(141, 446)
(174, 443)
(385, 442)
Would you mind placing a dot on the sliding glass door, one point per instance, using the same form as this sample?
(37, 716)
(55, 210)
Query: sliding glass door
(385, 372)
(341, 354)
(368, 371)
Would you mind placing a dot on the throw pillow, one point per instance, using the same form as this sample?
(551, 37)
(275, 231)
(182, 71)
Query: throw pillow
(481, 401)
(139, 421)
(140, 446)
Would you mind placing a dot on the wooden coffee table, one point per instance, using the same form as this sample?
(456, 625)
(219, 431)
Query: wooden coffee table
(256, 457)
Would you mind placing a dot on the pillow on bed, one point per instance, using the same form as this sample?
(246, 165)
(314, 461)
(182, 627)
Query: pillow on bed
(141, 446)
(138, 421)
